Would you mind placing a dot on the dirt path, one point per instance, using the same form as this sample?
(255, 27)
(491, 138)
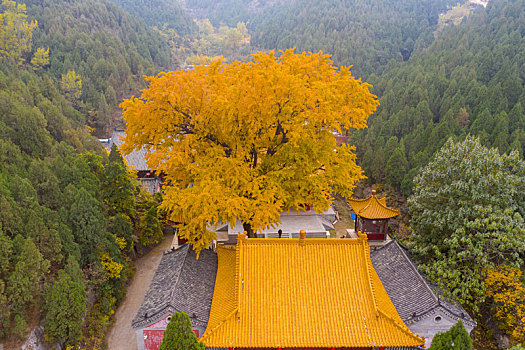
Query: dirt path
(121, 336)
(344, 222)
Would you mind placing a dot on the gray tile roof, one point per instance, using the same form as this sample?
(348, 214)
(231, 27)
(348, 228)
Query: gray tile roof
(181, 284)
(135, 159)
(410, 292)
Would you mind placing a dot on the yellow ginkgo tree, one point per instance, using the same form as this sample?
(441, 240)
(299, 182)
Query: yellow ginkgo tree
(246, 141)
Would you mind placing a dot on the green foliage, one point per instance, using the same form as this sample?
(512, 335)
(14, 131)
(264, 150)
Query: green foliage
(370, 35)
(118, 185)
(65, 307)
(469, 80)
(88, 226)
(179, 335)
(104, 45)
(396, 168)
(159, 13)
(6, 250)
(517, 347)
(229, 12)
(30, 269)
(456, 337)
(5, 313)
(52, 214)
(73, 271)
(19, 326)
(467, 215)
(121, 226)
(149, 223)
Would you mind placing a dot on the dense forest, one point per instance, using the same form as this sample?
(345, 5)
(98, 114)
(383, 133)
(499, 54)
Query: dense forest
(227, 12)
(470, 80)
(107, 49)
(370, 35)
(70, 216)
(365, 34)
(160, 13)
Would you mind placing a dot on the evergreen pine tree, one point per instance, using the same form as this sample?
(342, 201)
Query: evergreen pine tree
(118, 186)
(179, 335)
(65, 306)
(396, 168)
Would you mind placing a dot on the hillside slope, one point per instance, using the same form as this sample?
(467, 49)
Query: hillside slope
(366, 34)
(160, 13)
(68, 212)
(106, 46)
(470, 80)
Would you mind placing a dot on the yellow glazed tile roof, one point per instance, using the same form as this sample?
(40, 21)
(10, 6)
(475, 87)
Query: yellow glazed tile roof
(302, 293)
(372, 208)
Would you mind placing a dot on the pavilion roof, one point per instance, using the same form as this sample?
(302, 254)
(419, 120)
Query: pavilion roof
(372, 208)
(293, 293)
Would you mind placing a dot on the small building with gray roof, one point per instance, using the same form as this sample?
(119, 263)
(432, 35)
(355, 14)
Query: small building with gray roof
(147, 177)
(413, 296)
(182, 283)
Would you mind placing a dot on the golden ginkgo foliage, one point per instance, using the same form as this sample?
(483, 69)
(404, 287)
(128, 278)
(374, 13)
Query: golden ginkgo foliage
(245, 141)
(505, 288)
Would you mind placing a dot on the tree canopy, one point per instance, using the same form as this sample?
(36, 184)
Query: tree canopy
(456, 337)
(467, 216)
(245, 141)
(468, 81)
(179, 335)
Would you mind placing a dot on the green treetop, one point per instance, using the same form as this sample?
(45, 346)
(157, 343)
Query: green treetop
(455, 338)
(467, 215)
(179, 335)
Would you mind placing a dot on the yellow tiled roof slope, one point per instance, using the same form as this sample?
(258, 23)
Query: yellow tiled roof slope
(372, 208)
(303, 293)
(224, 291)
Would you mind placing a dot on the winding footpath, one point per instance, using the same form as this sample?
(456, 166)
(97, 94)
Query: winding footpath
(122, 336)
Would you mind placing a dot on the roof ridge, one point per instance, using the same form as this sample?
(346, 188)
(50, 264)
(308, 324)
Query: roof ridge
(368, 264)
(386, 207)
(172, 250)
(452, 313)
(179, 273)
(207, 334)
(400, 326)
(365, 207)
(385, 245)
(309, 241)
(240, 243)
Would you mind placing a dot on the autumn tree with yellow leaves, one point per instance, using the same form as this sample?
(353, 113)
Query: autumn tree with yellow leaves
(245, 141)
(16, 32)
(506, 292)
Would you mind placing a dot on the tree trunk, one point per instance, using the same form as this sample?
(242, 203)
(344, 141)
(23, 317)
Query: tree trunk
(249, 231)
